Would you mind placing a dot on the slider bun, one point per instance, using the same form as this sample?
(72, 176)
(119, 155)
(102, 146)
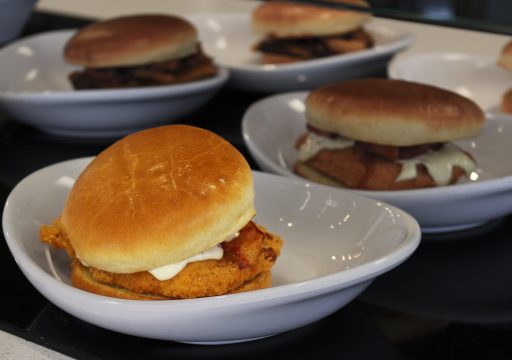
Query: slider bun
(281, 19)
(158, 197)
(132, 40)
(393, 112)
(82, 279)
(505, 58)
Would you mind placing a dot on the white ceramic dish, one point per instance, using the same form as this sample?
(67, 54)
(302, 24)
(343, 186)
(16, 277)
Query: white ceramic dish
(474, 76)
(13, 17)
(336, 243)
(271, 126)
(229, 39)
(36, 91)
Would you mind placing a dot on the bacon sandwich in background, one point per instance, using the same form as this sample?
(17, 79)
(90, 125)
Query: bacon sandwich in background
(379, 134)
(165, 213)
(505, 61)
(135, 51)
(297, 32)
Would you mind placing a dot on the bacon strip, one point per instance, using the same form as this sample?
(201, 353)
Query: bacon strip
(388, 152)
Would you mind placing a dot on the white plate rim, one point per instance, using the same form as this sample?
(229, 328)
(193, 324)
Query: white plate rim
(487, 94)
(396, 64)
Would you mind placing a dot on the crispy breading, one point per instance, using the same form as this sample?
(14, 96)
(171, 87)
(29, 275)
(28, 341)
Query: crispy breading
(82, 279)
(250, 254)
(54, 235)
(358, 170)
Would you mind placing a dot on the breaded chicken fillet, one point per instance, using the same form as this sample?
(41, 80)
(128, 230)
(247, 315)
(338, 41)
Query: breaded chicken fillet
(247, 258)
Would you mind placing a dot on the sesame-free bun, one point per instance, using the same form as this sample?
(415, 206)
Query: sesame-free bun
(505, 58)
(281, 19)
(132, 40)
(393, 112)
(157, 197)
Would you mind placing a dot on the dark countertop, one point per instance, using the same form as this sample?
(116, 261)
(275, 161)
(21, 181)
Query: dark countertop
(450, 300)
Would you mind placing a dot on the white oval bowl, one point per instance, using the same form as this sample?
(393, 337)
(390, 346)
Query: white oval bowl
(335, 244)
(474, 76)
(36, 91)
(229, 39)
(272, 125)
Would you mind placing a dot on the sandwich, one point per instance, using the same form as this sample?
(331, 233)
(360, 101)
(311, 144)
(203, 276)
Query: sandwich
(296, 32)
(135, 51)
(505, 62)
(506, 102)
(379, 134)
(505, 57)
(165, 213)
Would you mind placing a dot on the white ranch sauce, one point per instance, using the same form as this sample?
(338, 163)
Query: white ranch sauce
(314, 143)
(169, 271)
(439, 164)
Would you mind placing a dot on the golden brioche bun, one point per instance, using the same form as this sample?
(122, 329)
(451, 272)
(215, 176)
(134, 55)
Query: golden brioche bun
(281, 19)
(393, 112)
(157, 197)
(82, 279)
(132, 40)
(505, 58)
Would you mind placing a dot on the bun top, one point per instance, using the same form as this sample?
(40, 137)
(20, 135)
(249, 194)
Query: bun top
(157, 197)
(281, 19)
(132, 40)
(505, 58)
(393, 112)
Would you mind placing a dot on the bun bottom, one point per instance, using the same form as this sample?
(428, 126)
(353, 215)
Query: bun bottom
(309, 173)
(82, 279)
(270, 58)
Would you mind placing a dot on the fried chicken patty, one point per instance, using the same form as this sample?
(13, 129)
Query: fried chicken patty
(370, 166)
(358, 170)
(248, 257)
(83, 279)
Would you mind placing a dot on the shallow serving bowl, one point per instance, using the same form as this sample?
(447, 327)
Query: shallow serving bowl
(35, 90)
(272, 126)
(13, 17)
(229, 39)
(474, 76)
(335, 244)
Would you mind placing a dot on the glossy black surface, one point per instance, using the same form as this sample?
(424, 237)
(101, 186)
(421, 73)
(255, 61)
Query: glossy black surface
(452, 299)
(485, 15)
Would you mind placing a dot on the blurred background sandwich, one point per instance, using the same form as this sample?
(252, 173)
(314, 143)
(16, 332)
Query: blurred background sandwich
(505, 61)
(138, 50)
(378, 134)
(295, 32)
(165, 213)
